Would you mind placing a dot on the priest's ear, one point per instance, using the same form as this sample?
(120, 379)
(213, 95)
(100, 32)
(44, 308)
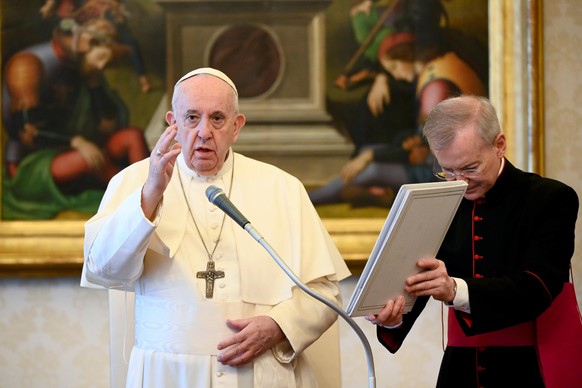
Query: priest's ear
(500, 144)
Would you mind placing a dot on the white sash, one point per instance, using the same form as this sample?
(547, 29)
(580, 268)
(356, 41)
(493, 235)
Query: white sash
(187, 328)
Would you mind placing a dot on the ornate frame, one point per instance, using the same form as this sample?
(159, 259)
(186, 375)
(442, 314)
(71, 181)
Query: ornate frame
(55, 248)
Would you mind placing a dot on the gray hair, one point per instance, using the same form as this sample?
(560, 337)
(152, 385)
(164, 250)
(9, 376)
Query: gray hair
(456, 113)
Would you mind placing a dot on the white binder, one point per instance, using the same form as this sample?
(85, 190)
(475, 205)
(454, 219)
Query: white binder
(415, 228)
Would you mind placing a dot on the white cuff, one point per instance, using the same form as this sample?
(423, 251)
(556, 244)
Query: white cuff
(393, 326)
(461, 301)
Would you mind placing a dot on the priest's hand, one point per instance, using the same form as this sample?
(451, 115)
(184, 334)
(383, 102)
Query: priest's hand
(391, 315)
(254, 336)
(434, 281)
(162, 161)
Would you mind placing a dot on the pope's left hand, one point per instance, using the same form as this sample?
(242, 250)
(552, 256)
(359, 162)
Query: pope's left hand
(254, 336)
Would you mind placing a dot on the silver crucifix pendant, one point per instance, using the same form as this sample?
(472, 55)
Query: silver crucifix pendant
(210, 275)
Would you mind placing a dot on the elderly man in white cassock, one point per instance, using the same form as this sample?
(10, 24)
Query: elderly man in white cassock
(212, 308)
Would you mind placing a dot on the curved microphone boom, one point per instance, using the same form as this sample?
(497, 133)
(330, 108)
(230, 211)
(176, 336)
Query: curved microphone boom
(218, 197)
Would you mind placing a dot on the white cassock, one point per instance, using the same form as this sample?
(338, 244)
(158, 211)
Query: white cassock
(176, 327)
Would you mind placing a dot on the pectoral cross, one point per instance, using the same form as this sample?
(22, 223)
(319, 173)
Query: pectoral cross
(210, 275)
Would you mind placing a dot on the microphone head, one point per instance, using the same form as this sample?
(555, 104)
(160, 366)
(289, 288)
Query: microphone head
(217, 197)
(213, 192)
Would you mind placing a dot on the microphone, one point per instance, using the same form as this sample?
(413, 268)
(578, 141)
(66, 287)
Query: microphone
(217, 197)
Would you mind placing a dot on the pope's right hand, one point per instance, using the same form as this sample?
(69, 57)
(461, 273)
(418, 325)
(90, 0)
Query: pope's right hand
(162, 160)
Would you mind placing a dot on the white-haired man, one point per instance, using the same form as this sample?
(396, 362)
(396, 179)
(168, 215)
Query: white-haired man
(212, 307)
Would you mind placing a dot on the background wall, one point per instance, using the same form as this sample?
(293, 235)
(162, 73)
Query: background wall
(55, 334)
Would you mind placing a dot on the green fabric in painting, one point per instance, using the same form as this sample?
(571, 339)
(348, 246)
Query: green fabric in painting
(362, 25)
(32, 193)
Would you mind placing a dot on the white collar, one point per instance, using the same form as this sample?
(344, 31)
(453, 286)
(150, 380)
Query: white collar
(501, 167)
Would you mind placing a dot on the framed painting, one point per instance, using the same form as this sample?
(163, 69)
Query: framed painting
(296, 114)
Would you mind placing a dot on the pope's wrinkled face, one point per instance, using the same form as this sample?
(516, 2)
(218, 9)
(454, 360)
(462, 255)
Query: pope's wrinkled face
(470, 158)
(205, 113)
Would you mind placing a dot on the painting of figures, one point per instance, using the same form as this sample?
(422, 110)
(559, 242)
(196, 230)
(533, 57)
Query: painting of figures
(393, 64)
(77, 78)
(84, 82)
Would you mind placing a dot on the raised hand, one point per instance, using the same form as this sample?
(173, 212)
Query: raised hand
(162, 161)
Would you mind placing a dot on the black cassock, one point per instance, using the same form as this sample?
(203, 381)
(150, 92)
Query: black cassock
(513, 248)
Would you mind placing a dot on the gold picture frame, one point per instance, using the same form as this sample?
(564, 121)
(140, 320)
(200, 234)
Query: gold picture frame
(55, 248)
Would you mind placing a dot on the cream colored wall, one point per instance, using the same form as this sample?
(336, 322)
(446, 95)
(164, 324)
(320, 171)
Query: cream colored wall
(55, 334)
(415, 365)
(563, 99)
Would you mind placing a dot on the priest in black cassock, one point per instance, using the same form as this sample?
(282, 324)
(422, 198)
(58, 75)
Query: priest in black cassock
(505, 258)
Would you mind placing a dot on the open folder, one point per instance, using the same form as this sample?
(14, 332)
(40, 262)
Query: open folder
(414, 229)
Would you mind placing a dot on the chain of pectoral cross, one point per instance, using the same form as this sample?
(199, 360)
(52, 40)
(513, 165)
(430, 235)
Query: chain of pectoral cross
(211, 274)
